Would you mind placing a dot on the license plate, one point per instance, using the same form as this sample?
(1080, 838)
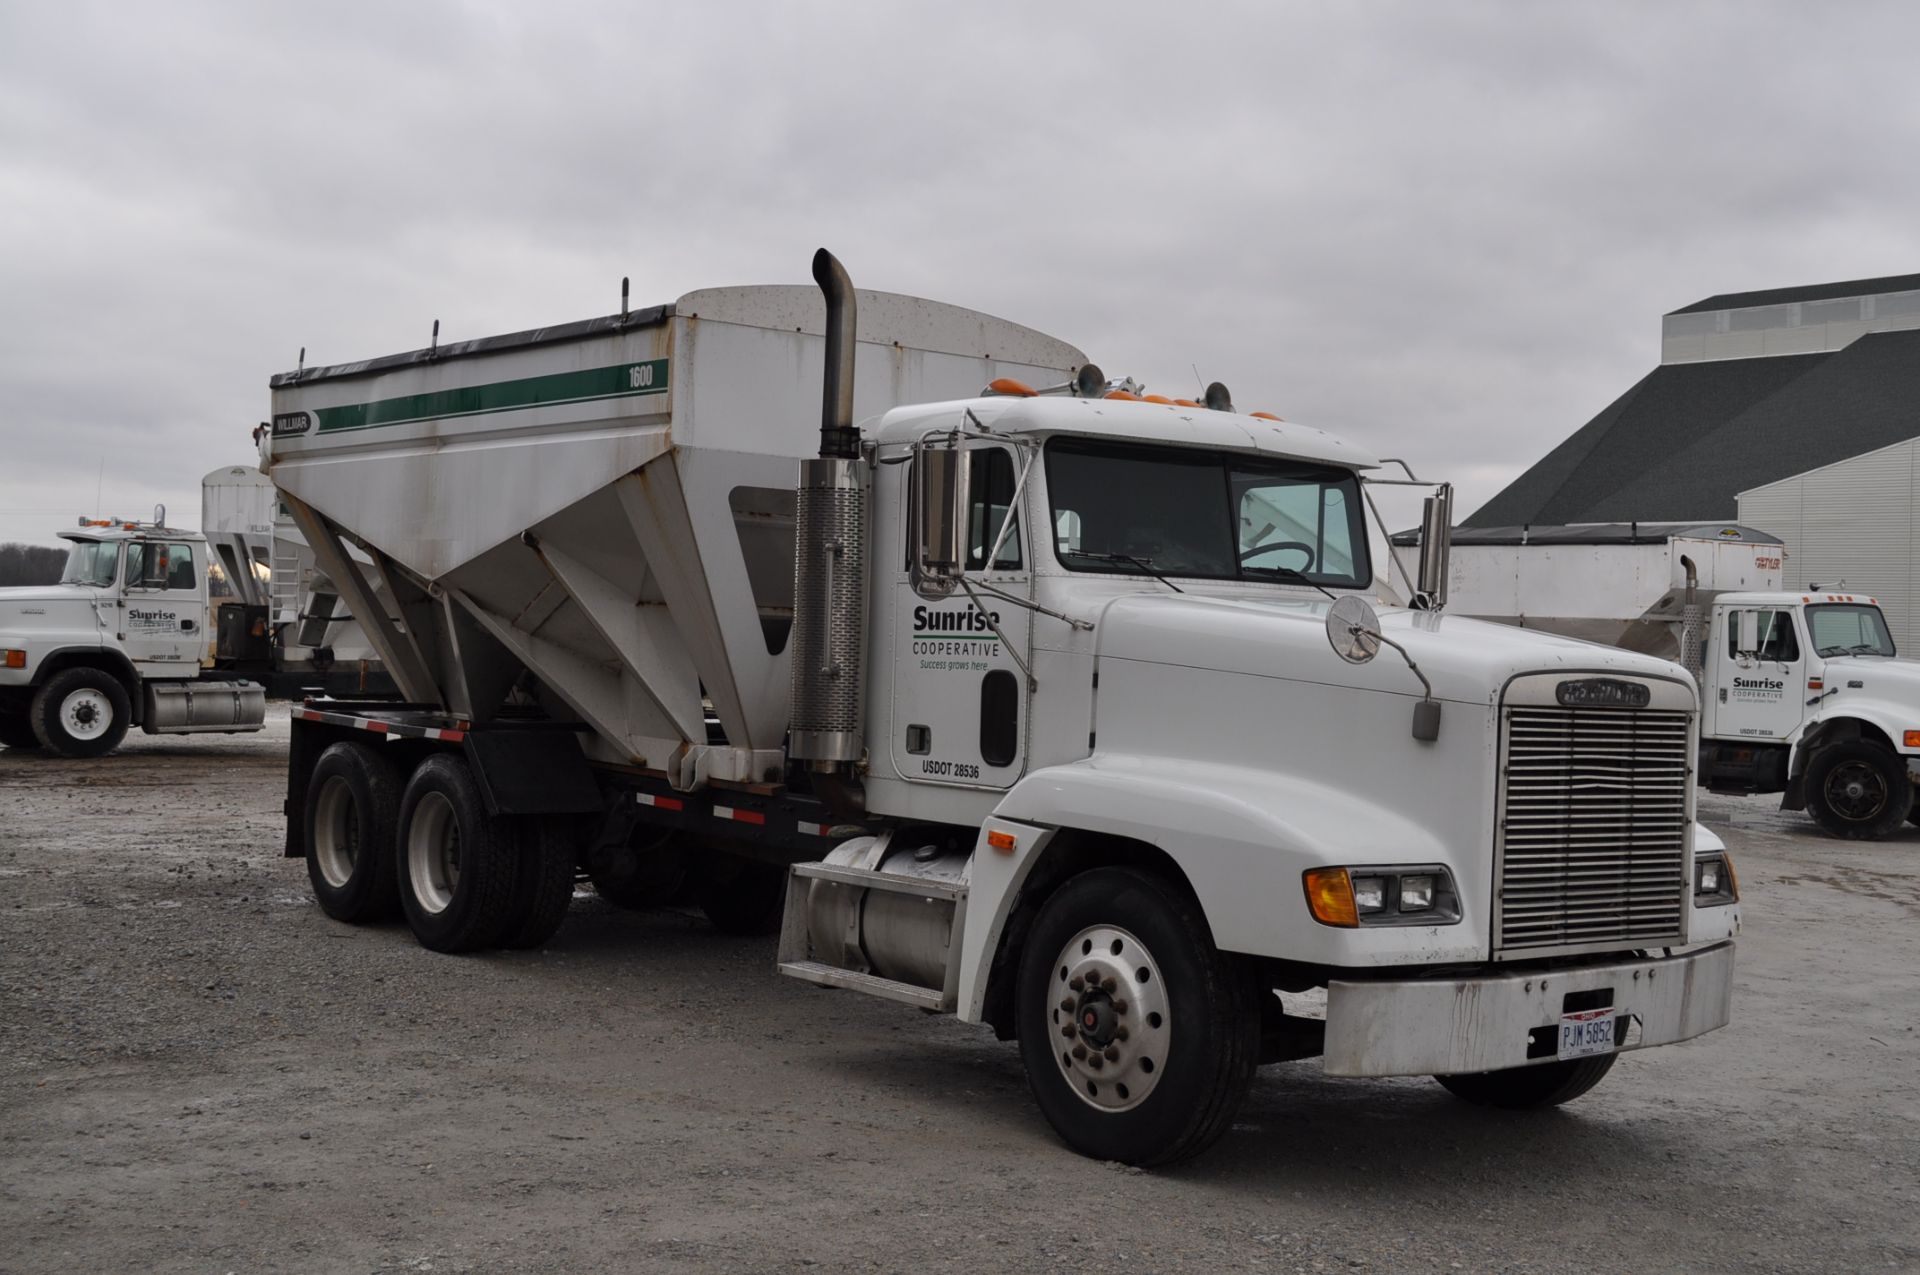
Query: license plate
(1589, 1031)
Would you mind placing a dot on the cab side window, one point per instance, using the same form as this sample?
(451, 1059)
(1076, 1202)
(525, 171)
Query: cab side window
(990, 497)
(180, 572)
(152, 565)
(1777, 641)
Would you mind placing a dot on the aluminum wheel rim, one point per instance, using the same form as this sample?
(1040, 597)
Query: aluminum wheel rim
(433, 853)
(1856, 791)
(86, 713)
(1112, 1019)
(336, 832)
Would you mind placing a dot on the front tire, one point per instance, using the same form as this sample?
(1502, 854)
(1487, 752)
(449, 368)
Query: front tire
(459, 867)
(80, 712)
(353, 802)
(1858, 790)
(1528, 1088)
(1139, 1036)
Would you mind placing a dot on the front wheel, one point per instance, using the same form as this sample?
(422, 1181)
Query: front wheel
(1525, 1088)
(1858, 790)
(80, 712)
(1139, 1037)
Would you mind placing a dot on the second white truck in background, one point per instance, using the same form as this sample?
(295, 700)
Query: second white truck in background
(1802, 692)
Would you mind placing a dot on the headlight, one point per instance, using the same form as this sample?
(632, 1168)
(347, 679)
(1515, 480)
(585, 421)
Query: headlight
(1369, 894)
(1416, 892)
(1350, 897)
(1714, 882)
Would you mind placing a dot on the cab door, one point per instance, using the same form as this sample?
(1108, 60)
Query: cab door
(959, 695)
(162, 607)
(1759, 674)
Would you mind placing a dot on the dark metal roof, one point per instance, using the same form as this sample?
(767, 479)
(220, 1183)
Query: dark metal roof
(1684, 442)
(580, 331)
(1811, 292)
(1600, 533)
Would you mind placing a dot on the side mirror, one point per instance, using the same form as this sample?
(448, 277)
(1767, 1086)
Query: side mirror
(940, 502)
(1436, 548)
(1749, 632)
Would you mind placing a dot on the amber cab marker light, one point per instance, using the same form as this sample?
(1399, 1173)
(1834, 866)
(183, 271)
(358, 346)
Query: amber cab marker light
(1018, 389)
(1330, 897)
(1733, 878)
(1002, 841)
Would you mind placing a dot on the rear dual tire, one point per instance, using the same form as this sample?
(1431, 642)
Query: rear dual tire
(353, 802)
(428, 849)
(459, 869)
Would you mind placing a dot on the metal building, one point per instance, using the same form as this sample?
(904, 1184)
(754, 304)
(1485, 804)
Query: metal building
(1752, 388)
(1851, 525)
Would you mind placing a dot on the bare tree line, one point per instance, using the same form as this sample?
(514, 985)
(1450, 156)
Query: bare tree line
(30, 564)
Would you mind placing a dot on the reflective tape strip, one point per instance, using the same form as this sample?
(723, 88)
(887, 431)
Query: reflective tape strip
(817, 829)
(662, 803)
(739, 816)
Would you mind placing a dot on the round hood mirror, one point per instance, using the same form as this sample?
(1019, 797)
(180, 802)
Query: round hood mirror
(1353, 630)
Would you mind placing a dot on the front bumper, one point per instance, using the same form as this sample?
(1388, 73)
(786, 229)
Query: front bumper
(1440, 1026)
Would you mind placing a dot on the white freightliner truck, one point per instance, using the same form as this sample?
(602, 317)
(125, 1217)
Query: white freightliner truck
(1066, 708)
(124, 639)
(1801, 690)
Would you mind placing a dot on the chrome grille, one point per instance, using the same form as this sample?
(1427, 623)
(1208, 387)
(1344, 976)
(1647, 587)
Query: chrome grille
(1593, 827)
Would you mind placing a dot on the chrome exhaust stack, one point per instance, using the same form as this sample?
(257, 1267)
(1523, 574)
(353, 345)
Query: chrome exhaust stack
(830, 557)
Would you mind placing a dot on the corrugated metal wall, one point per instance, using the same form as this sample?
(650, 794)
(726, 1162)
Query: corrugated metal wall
(1851, 521)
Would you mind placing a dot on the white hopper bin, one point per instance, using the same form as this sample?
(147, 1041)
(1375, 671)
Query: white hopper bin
(609, 504)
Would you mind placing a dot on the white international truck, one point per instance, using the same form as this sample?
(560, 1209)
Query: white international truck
(1801, 690)
(124, 639)
(1057, 707)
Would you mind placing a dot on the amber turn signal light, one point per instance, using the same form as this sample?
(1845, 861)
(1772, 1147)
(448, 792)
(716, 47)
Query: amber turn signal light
(1330, 897)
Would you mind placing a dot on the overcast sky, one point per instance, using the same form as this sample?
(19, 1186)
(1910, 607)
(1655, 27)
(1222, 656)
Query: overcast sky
(1447, 230)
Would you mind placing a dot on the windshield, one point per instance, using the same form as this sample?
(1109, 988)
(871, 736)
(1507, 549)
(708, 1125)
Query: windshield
(1131, 509)
(91, 562)
(1849, 630)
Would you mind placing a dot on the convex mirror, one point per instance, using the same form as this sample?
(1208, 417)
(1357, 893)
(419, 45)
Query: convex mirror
(1353, 630)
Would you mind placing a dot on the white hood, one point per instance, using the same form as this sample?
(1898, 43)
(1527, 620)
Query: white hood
(1468, 661)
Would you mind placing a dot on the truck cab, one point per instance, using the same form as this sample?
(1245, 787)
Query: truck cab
(1804, 693)
(120, 641)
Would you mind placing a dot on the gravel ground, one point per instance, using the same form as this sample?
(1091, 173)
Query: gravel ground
(200, 1072)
